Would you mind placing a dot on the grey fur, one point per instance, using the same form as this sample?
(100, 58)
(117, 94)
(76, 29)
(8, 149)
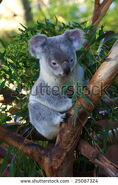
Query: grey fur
(57, 65)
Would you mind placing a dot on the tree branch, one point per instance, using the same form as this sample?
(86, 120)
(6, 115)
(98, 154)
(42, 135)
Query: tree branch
(97, 4)
(29, 148)
(27, 8)
(100, 11)
(97, 158)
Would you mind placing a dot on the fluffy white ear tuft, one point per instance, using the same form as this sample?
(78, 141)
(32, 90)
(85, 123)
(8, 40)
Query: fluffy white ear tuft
(76, 36)
(36, 43)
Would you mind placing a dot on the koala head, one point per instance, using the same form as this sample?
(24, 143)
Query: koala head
(57, 54)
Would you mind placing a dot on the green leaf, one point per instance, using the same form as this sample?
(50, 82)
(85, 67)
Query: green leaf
(66, 86)
(2, 85)
(12, 170)
(86, 98)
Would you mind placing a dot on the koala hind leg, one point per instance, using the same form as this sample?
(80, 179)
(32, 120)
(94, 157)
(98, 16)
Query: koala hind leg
(46, 121)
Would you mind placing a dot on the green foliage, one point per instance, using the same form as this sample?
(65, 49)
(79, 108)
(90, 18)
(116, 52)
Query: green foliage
(83, 167)
(63, 10)
(21, 165)
(74, 11)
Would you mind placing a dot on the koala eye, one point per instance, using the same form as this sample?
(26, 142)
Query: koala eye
(72, 60)
(54, 64)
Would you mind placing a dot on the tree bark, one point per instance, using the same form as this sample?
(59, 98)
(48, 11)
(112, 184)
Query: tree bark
(29, 148)
(100, 10)
(96, 157)
(27, 8)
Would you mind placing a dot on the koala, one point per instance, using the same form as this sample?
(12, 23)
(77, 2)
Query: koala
(58, 64)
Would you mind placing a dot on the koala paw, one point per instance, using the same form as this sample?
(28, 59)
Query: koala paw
(67, 105)
(60, 118)
(63, 116)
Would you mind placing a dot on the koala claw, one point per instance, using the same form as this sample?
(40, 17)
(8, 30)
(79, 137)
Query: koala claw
(63, 116)
(60, 118)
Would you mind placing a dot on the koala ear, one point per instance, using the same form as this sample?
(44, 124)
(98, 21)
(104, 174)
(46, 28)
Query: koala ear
(36, 44)
(76, 36)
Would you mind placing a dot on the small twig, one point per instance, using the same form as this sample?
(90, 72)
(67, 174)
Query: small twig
(97, 158)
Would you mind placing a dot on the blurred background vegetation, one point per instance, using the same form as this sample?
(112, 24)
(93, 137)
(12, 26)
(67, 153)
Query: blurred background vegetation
(19, 21)
(26, 11)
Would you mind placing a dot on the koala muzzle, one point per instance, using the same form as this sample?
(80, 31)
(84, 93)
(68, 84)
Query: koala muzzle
(66, 68)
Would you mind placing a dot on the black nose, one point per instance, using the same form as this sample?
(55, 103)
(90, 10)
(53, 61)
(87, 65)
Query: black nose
(66, 68)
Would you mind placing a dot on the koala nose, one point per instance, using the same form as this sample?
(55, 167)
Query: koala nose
(66, 68)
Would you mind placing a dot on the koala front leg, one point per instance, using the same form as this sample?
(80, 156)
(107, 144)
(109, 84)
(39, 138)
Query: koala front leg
(59, 118)
(65, 106)
(60, 103)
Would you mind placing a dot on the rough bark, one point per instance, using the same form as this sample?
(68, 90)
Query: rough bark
(96, 157)
(29, 148)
